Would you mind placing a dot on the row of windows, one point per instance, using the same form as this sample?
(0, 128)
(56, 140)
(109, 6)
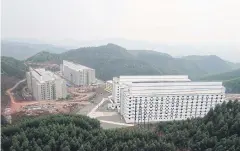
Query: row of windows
(172, 111)
(173, 101)
(166, 109)
(172, 117)
(172, 104)
(178, 97)
(169, 115)
(151, 107)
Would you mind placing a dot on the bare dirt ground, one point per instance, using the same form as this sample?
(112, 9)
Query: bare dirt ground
(17, 103)
(80, 97)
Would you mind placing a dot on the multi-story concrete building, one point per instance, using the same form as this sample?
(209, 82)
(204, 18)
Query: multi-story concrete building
(45, 85)
(120, 81)
(109, 86)
(165, 101)
(78, 74)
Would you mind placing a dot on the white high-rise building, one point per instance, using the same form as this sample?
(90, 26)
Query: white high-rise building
(120, 81)
(45, 85)
(78, 74)
(143, 102)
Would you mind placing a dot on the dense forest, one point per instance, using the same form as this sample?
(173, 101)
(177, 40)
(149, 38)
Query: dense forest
(219, 130)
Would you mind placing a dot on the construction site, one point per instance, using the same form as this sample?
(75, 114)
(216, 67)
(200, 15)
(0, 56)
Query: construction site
(91, 100)
(21, 104)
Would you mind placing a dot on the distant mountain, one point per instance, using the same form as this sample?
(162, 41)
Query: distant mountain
(112, 60)
(210, 64)
(21, 50)
(219, 49)
(234, 65)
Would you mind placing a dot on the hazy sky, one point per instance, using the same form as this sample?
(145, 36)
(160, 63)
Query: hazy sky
(163, 21)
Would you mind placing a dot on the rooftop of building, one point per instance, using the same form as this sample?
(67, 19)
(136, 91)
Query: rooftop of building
(43, 75)
(174, 88)
(74, 66)
(172, 83)
(156, 79)
(109, 81)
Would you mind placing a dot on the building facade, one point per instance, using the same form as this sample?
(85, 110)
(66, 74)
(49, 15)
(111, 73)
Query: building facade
(109, 86)
(166, 101)
(120, 81)
(45, 85)
(78, 74)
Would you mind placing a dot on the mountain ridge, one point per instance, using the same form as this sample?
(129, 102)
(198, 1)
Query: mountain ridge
(109, 57)
(22, 50)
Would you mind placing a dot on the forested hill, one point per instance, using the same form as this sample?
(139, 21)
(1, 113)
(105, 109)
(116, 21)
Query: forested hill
(219, 130)
(12, 67)
(112, 60)
(211, 63)
(108, 61)
(231, 80)
(223, 76)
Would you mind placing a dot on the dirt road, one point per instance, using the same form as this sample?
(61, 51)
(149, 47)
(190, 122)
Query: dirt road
(14, 105)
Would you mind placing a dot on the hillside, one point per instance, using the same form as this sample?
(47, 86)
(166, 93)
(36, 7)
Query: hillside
(112, 60)
(231, 80)
(232, 86)
(108, 61)
(23, 50)
(211, 64)
(12, 67)
(219, 130)
(169, 65)
(12, 71)
(223, 76)
(45, 56)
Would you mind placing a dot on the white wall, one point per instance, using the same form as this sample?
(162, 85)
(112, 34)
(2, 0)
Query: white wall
(168, 107)
(84, 76)
(48, 90)
(60, 87)
(167, 101)
(122, 80)
(29, 81)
